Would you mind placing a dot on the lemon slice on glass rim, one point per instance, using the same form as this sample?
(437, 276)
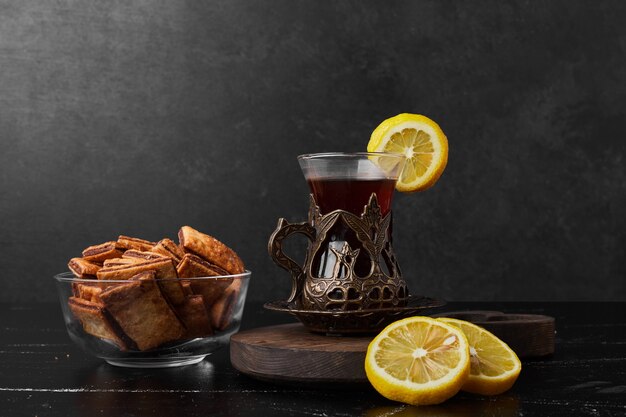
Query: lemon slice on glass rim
(423, 143)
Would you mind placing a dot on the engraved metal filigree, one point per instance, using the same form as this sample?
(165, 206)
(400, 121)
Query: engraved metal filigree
(338, 286)
(344, 289)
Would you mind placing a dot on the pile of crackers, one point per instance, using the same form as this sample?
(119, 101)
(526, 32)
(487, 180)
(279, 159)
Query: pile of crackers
(156, 304)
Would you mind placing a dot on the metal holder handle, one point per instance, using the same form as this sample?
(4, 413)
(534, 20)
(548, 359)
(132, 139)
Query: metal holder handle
(275, 248)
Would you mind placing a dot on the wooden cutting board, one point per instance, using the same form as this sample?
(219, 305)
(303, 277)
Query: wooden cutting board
(289, 352)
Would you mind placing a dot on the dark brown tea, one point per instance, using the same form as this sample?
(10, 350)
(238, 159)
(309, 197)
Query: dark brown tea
(349, 194)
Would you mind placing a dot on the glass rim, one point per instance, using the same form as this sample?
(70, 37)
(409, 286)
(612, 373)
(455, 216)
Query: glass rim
(308, 156)
(70, 277)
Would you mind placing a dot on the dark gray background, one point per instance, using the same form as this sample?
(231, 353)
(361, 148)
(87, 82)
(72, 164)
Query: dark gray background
(139, 117)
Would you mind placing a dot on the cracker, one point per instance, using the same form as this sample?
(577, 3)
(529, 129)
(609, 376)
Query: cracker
(210, 289)
(97, 322)
(121, 272)
(87, 291)
(168, 248)
(186, 287)
(143, 312)
(145, 255)
(211, 249)
(194, 266)
(128, 242)
(99, 253)
(194, 316)
(83, 268)
(164, 270)
(223, 309)
(121, 261)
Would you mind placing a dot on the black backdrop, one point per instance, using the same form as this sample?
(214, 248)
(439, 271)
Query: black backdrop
(138, 117)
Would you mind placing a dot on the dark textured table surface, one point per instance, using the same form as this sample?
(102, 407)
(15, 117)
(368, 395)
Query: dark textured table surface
(44, 374)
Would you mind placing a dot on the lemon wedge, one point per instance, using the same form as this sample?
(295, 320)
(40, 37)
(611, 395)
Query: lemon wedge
(494, 367)
(418, 361)
(421, 140)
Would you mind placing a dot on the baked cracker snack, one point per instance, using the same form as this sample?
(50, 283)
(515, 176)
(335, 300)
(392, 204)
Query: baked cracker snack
(194, 266)
(87, 291)
(186, 287)
(121, 261)
(167, 247)
(194, 316)
(142, 312)
(211, 249)
(97, 322)
(223, 308)
(83, 268)
(163, 268)
(158, 299)
(98, 253)
(121, 272)
(222, 311)
(128, 242)
(137, 254)
(210, 291)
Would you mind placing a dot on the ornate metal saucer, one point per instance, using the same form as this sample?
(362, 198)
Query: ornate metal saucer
(355, 321)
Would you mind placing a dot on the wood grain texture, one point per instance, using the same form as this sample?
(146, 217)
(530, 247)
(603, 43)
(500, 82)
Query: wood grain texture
(289, 352)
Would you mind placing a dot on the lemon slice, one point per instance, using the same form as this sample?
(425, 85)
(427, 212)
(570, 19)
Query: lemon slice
(418, 361)
(494, 366)
(421, 140)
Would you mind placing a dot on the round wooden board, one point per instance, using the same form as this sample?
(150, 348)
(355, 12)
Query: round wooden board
(289, 352)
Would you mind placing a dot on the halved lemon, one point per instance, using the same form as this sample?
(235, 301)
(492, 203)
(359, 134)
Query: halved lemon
(418, 361)
(494, 367)
(421, 140)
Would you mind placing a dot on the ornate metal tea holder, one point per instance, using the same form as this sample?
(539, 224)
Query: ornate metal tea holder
(343, 302)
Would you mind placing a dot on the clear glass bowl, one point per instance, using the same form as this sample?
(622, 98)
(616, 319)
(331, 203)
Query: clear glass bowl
(177, 353)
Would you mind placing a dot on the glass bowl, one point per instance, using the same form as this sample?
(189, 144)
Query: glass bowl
(125, 316)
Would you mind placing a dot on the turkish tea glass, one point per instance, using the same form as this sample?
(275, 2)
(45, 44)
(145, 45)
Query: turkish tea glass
(346, 181)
